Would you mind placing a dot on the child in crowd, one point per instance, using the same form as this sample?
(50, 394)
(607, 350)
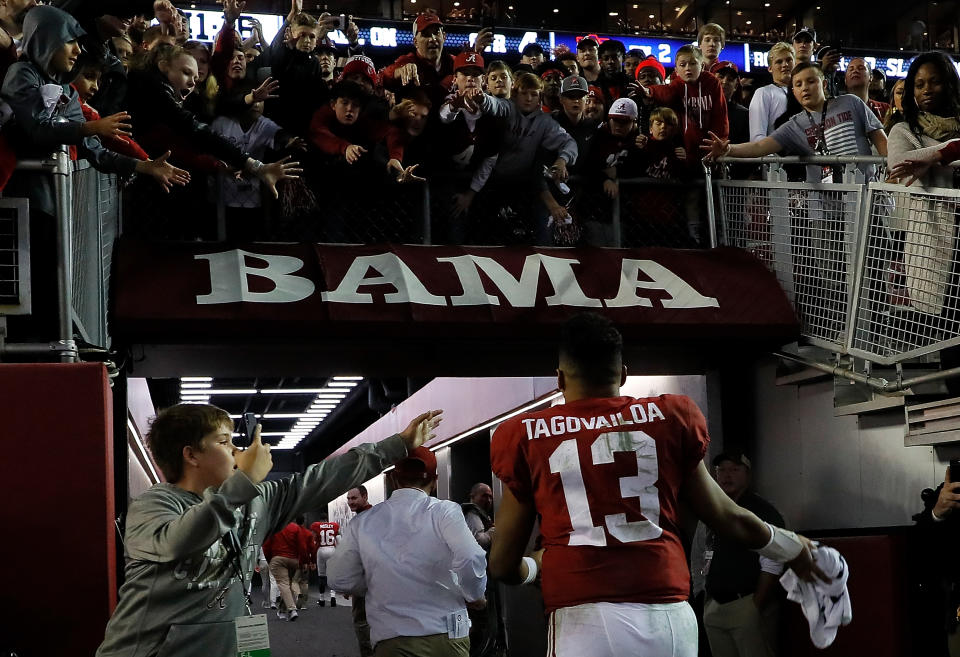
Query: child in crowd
(529, 131)
(663, 154)
(341, 129)
(551, 74)
(615, 147)
(698, 100)
(499, 79)
(86, 83)
(838, 126)
(48, 112)
(157, 92)
(203, 101)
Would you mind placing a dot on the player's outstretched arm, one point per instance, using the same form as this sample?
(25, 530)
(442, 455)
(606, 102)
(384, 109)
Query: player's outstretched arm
(722, 514)
(726, 517)
(514, 524)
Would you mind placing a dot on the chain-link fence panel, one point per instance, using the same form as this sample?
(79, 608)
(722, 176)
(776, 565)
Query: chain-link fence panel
(806, 234)
(908, 292)
(94, 227)
(662, 213)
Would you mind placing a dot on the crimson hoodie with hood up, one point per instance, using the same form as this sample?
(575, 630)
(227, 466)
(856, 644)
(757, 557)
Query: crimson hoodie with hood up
(701, 107)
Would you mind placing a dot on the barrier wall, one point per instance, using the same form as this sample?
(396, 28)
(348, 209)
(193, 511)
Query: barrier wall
(58, 510)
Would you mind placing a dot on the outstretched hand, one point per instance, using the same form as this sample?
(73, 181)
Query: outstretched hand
(163, 172)
(266, 91)
(714, 147)
(911, 170)
(256, 460)
(284, 169)
(421, 428)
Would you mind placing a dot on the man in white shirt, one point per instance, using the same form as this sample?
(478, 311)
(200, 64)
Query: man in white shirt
(770, 101)
(417, 564)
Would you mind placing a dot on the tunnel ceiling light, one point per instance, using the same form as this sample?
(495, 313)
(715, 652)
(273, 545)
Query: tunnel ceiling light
(497, 420)
(196, 378)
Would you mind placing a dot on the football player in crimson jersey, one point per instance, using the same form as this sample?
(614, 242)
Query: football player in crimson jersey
(328, 534)
(607, 474)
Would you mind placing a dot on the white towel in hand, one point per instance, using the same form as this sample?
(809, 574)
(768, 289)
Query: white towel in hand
(825, 605)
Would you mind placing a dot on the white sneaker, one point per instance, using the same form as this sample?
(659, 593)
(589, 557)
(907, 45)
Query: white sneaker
(293, 615)
(281, 615)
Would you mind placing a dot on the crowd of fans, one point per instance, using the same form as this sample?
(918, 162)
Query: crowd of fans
(300, 139)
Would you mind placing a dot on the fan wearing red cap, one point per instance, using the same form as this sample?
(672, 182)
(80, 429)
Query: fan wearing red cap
(737, 114)
(416, 562)
(594, 107)
(428, 67)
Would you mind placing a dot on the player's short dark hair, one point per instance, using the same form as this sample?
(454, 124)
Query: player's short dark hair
(362, 489)
(350, 91)
(177, 427)
(592, 345)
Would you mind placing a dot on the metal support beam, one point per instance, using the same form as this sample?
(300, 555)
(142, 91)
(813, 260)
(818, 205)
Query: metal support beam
(879, 384)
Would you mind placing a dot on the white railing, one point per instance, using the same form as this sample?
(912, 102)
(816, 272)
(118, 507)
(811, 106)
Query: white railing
(873, 270)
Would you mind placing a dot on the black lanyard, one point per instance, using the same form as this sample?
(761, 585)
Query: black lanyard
(821, 145)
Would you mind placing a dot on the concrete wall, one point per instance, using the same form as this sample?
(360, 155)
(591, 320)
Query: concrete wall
(827, 472)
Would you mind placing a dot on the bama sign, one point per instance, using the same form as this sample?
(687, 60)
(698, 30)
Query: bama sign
(283, 290)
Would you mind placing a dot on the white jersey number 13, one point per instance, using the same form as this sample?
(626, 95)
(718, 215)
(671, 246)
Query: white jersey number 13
(565, 461)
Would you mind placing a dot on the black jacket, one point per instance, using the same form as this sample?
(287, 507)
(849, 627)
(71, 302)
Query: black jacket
(154, 104)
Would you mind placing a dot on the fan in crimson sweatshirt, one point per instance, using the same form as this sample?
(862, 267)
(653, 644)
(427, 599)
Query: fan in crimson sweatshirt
(697, 98)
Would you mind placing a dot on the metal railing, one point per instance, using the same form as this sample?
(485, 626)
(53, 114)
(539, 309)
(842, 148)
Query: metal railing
(647, 212)
(872, 269)
(87, 210)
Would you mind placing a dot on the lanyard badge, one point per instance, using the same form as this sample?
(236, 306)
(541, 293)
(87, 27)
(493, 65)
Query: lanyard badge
(253, 640)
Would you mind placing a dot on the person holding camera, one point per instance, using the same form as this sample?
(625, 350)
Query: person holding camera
(191, 542)
(938, 526)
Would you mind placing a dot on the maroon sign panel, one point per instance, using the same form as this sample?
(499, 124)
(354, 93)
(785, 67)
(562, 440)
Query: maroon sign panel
(183, 292)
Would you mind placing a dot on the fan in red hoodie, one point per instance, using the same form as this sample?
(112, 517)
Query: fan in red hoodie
(697, 98)
(87, 83)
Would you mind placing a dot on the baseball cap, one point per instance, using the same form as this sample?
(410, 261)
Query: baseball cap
(651, 62)
(624, 107)
(808, 31)
(468, 60)
(419, 462)
(586, 42)
(359, 64)
(722, 66)
(595, 92)
(574, 85)
(532, 49)
(735, 456)
(423, 21)
(326, 45)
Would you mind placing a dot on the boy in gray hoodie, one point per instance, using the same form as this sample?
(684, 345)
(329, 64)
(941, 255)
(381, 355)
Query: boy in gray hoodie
(191, 543)
(47, 110)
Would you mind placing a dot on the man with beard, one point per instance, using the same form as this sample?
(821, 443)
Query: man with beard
(589, 58)
(428, 67)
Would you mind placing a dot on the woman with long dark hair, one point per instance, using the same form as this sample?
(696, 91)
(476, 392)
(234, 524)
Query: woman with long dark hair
(920, 149)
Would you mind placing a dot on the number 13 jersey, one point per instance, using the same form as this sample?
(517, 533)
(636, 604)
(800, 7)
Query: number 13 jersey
(605, 474)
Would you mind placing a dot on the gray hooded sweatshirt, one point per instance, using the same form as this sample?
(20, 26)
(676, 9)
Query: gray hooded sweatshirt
(182, 593)
(46, 108)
